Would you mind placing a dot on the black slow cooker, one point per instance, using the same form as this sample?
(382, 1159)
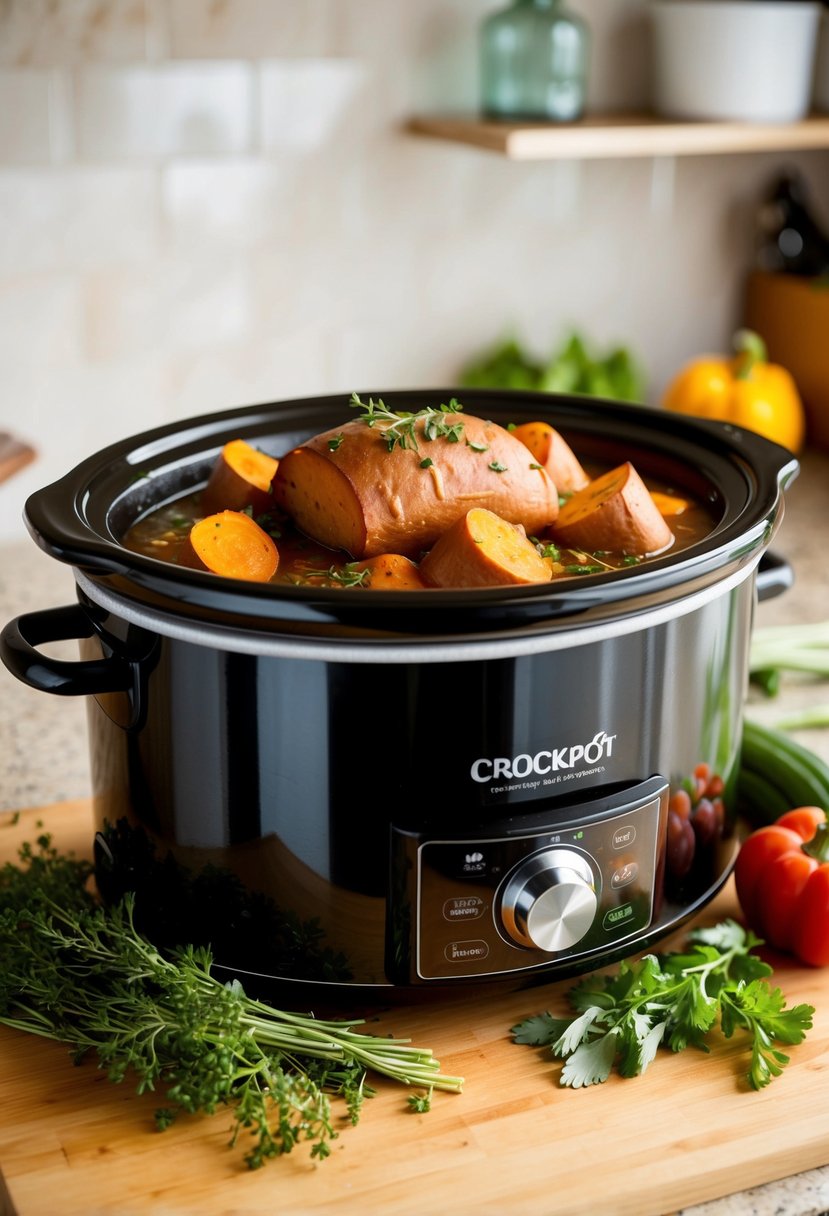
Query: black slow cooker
(389, 792)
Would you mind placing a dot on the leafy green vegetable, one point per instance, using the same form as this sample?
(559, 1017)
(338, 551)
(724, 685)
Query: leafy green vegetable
(570, 369)
(83, 975)
(677, 999)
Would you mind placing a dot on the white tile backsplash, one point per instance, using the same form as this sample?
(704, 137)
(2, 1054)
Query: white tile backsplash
(25, 129)
(236, 203)
(250, 29)
(36, 120)
(306, 105)
(43, 313)
(285, 363)
(76, 218)
(52, 33)
(178, 109)
(170, 304)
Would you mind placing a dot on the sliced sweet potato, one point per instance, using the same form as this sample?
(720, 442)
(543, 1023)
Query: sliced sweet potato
(553, 452)
(230, 543)
(669, 504)
(346, 489)
(240, 478)
(392, 572)
(615, 512)
(484, 550)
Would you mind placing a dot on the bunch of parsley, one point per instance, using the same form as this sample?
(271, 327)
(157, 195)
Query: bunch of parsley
(672, 999)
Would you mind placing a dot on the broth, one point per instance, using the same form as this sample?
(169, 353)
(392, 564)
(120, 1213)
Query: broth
(304, 562)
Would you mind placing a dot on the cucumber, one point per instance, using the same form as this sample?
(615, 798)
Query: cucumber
(777, 774)
(758, 801)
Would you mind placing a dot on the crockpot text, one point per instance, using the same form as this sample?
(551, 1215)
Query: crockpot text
(543, 762)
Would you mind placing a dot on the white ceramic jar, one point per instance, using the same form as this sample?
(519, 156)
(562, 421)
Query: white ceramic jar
(744, 60)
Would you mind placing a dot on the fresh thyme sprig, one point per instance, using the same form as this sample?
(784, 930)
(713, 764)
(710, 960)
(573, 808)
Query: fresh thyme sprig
(84, 975)
(349, 575)
(675, 999)
(400, 429)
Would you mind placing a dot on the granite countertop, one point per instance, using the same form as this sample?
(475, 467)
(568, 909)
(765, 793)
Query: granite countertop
(44, 757)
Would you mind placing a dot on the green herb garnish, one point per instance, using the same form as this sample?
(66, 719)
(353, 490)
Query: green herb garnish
(348, 575)
(427, 463)
(400, 429)
(85, 976)
(673, 999)
(420, 1104)
(631, 559)
(536, 466)
(335, 442)
(583, 568)
(477, 447)
(497, 467)
(268, 522)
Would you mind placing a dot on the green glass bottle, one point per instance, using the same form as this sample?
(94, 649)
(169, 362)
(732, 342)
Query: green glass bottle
(534, 60)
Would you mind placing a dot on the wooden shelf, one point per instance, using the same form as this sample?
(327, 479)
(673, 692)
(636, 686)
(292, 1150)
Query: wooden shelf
(623, 135)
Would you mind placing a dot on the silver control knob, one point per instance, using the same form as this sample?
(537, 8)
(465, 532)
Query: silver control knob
(549, 902)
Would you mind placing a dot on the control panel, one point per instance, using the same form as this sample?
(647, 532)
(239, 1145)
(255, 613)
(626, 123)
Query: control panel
(530, 892)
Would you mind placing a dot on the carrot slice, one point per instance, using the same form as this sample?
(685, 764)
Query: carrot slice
(483, 550)
(552, 451)
(231, 544)
(241, 477)
(669, 504)
(392, 572)
(615, 512)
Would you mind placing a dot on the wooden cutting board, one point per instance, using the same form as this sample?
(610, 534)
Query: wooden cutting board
(685, 1132)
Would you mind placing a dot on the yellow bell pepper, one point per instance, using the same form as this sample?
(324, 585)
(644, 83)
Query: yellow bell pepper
(746, 390)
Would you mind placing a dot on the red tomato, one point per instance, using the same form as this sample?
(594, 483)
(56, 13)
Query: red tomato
(782, 877)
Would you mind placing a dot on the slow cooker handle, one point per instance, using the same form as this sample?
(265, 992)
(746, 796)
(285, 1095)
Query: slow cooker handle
(18, 642)
(774, 576)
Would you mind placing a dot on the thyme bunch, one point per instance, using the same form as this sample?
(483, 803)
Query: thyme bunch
(84, 975)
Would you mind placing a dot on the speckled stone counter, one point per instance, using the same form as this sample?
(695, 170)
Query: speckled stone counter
(43, 756)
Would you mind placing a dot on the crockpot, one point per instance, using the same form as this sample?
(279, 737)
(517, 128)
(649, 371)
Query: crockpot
(378, 792)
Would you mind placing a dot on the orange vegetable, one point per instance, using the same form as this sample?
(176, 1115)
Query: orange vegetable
(483, 550)
(745, 390)
(553, 453)
(231, 544)
(669, 504)
(615, 512)
(392, 572)
(348, 490)
(240, 478)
